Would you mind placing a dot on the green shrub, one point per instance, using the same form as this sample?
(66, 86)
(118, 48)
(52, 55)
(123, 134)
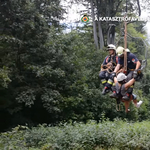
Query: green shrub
(109, 135)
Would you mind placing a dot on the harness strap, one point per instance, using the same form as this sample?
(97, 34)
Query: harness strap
(118, 108)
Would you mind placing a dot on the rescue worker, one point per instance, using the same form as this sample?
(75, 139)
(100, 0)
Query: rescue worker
(133, 64)
(107, 67)
(122, 87)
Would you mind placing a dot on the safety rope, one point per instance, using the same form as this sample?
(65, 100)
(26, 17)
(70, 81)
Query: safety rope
(125, 47)
(125, 42)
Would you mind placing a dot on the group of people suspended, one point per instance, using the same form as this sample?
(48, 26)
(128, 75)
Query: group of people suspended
(113, 76)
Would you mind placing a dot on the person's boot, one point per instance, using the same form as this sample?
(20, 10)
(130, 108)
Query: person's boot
(126, 97)
(114, 95)
(105, 90)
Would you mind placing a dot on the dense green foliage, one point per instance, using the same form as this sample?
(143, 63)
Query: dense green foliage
(114, 135)
(48, 76)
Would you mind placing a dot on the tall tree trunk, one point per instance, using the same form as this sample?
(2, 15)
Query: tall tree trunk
(110, 25)
(101, 39)
(100, 33)
(94, 25)
(139, 8)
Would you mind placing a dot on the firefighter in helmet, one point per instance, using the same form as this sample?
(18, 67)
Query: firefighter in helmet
(107, 68)
(133, 64)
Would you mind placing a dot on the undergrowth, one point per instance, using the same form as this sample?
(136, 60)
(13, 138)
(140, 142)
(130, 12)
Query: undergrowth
(116, 135)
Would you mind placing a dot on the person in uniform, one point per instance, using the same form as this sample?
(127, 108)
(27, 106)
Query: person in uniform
(133, 64)
(107, 68)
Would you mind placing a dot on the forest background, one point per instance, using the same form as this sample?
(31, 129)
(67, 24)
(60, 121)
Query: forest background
(49, 75)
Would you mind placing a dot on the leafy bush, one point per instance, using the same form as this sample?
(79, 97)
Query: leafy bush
(114, 135)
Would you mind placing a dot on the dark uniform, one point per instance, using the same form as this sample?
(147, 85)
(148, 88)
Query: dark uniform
(131, 61)
(105, 75)
(131, 64)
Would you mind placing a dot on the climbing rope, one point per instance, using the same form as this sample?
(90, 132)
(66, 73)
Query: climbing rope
(125, 46)
(125, 42)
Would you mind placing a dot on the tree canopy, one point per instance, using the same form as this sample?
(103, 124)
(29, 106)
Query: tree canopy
(47, 75)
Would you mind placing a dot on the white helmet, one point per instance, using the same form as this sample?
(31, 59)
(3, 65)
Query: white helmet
(111, 46)
(127, 50)
(119, 50)
(121, 76)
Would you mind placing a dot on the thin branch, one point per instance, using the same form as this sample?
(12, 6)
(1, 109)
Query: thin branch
(117, 7)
